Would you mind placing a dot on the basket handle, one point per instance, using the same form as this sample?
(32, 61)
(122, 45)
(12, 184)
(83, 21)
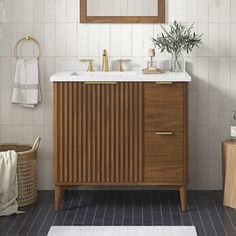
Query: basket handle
(36, 144)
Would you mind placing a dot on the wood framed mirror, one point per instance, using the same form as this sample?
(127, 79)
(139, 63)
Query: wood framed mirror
(122, 11)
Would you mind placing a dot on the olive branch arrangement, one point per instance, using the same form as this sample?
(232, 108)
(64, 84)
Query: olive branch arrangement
(178, 39)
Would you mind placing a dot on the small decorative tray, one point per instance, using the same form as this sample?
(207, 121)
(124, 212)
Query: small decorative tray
(152, 71)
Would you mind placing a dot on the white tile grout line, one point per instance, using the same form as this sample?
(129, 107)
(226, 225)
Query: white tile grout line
(38, 212)
(123, 211)
(171, 217)
(12, 224)
(57, 213)
(142, 212)
(114, 212)
(51, 206)
(132, 209)
(24, 220)
(104, 213)
(197, 206)
(72, 197)
(87, 206)
(73, 221)
(152, 208)
(230, 219)
(159, 199)
(213, 226)
(95, 212)
(221, 220)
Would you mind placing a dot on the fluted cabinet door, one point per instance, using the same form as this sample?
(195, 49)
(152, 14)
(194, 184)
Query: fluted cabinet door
(98, 133)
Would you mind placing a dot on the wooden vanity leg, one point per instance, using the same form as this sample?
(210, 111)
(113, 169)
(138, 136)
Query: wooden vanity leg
(183, 198)
(58, 194)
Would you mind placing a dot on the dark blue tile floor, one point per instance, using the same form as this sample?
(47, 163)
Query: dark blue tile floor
(124, 208)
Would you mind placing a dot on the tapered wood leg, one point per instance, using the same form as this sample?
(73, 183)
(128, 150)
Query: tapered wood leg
(183, 198)
(58, 195)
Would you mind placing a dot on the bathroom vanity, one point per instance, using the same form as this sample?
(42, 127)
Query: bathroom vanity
(120, 129)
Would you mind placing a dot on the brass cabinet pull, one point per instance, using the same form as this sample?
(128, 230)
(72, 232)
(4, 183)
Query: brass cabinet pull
(164, 83)
(98, 82)
(164, 133)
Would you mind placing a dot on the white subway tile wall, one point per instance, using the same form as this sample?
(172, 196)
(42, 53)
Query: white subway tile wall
(55, 23)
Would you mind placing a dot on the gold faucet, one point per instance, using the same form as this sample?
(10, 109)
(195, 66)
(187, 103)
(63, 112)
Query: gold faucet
(90, 64)
(120, 67)
(105, 66)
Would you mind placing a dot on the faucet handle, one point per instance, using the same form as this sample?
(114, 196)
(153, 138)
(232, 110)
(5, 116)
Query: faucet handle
(90, 64)
(120, 61)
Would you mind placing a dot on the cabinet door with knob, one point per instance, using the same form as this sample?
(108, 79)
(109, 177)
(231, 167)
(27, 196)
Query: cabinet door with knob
(165, 136)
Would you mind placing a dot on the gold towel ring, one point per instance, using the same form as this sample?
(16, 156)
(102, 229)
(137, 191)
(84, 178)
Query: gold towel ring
(28, 38)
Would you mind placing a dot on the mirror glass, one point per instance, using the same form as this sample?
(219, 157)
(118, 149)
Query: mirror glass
(122, 8)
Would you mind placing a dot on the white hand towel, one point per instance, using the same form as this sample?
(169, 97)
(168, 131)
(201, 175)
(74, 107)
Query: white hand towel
(8, 183)
(26, 90)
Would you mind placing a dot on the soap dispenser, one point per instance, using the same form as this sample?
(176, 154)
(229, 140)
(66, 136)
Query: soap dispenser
(151, 65)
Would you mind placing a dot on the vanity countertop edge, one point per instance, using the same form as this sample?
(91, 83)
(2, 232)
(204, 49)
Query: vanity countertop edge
(78, 76)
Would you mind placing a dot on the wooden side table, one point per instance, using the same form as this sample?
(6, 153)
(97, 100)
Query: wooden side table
(229, 172)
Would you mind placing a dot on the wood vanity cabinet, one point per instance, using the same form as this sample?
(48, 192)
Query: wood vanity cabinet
(125, 133)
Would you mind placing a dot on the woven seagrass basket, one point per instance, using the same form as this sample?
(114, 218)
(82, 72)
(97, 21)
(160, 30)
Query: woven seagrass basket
(26, 170)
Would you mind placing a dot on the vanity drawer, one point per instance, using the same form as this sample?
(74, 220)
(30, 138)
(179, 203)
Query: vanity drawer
(164, 157)
(164, 107)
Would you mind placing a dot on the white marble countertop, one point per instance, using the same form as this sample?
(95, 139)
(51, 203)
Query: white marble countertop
(112, 76)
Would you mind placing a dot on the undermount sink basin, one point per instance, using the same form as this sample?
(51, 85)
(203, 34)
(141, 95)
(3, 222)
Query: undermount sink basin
(104, 74)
